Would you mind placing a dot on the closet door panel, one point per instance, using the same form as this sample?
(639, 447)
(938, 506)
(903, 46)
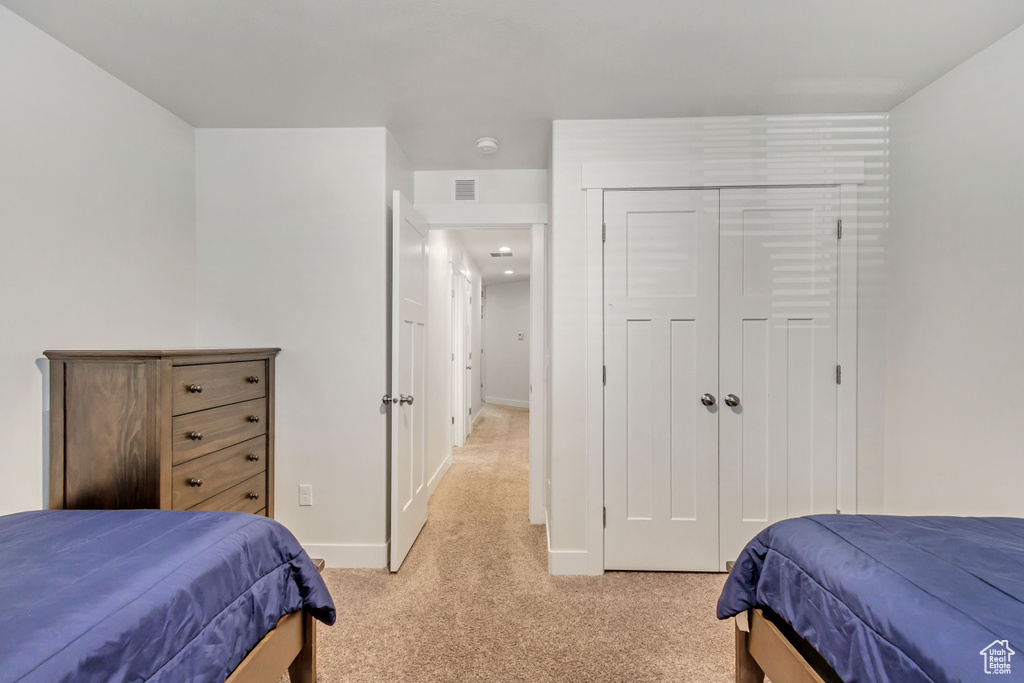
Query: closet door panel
(661, 355)
(778, 306)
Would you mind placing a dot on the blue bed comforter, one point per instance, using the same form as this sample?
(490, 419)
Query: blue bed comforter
(145, 595)
(897, 599)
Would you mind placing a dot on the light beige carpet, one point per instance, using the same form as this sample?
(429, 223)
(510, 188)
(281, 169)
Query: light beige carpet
(474, 602)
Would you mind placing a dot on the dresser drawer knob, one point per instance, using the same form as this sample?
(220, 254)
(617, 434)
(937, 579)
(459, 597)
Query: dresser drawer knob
(196, 436)
(253, 379)
(254, 496)
(254, 418)
(196, 388)
(255, 457)
(196, 482)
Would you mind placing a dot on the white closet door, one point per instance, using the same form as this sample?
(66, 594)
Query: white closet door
(779, 302)
(661, 356)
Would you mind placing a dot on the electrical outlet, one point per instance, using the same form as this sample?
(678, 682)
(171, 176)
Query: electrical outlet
(305, 494)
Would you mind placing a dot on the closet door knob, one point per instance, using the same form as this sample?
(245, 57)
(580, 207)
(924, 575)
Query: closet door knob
(196, 482)
(405, 399)
(708, 400)
(732, 400)
(254, 418)
(255, 457)
(196, 388)
(196, 436)
(253, 379)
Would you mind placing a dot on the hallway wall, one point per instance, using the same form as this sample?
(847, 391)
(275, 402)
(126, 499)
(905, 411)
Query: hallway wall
(506, 355)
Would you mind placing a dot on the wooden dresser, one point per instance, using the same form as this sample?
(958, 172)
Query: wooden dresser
(186, 429)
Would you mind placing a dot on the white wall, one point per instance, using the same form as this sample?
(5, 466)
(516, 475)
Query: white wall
(293, 253)
(506, 357)
(709, 144)
(518, 196)
(954, 403)
(97, 232)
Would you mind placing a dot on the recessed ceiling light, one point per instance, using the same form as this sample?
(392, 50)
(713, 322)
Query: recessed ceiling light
(508, 272)
(505, 249)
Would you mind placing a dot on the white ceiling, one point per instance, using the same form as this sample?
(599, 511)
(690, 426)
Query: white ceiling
(441, 73)
(480, 242)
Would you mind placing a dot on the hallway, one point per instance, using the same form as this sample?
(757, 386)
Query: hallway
(474, 602)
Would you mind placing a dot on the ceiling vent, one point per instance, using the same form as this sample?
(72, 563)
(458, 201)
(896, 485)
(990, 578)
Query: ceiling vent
(500, 254)
(465, 189)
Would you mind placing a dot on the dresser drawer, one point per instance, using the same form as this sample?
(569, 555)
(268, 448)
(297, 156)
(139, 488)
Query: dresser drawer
(248, 496)
(198, 387)
(198, 479)
(210, 430)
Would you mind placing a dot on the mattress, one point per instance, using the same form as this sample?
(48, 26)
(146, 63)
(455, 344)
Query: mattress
(145, 595)
(893, 599)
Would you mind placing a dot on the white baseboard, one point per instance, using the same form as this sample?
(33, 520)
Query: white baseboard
(439, 475)
(346, 556)
(511, 402)
(566, 562)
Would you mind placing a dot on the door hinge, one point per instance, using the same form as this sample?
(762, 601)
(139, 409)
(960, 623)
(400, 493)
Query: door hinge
(470, 411)
(839, 228)
(453, 419)
(839, 374)
(604, 232)
(453, 293)
(604, 375)
(605, 517)
(453, 357)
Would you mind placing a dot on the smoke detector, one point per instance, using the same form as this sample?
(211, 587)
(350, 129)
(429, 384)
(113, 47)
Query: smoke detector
(487, 146)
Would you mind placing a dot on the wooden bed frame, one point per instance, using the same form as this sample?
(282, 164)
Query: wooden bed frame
(762, 649)
(290, 645)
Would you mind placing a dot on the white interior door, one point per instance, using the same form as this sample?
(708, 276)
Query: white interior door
(779, 307)
(408, 378)
(661, 356)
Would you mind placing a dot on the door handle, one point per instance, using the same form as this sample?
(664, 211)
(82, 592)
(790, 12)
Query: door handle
(387, 399)
(732, 400)
(403, 399)
(708, 400)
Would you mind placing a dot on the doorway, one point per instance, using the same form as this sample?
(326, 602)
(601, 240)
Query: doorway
(475, 257)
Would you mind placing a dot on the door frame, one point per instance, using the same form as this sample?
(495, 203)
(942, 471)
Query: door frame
(596, 178)
(539, 460)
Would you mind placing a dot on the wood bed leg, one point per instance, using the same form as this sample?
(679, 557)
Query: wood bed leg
(747, 669)
(303, 668)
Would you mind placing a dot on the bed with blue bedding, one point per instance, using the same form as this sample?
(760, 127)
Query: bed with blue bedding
(892, 599)
(145, 595)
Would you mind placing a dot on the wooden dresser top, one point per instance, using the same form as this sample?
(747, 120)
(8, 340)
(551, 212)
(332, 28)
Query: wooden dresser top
(158, 353)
